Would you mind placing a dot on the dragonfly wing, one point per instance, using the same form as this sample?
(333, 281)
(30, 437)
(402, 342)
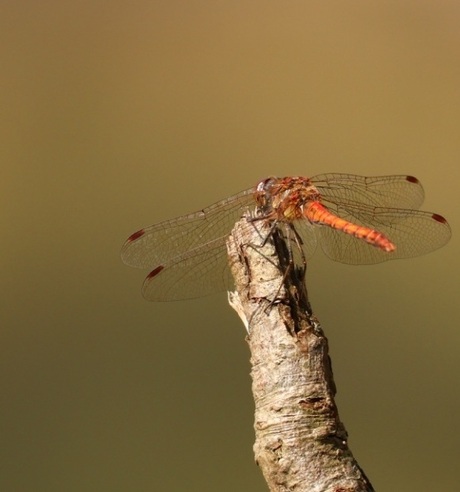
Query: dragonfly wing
(308, 239)
(160, 243)
(398, 191)
(413, 232)
(199, 272)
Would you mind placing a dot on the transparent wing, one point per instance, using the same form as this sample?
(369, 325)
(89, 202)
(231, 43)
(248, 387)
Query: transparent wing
(158, 244)
(197, 273)
(399, 191)
(307, 233)
(413, 232)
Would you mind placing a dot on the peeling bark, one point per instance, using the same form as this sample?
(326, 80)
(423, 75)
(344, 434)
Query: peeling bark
(301, 444)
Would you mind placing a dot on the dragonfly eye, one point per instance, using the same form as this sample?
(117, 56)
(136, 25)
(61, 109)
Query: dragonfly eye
(266, 184)
(263, 193)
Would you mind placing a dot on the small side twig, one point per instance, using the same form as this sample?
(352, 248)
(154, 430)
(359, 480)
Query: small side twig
(301, 444)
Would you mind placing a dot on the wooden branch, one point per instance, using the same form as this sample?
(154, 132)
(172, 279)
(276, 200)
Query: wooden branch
(301, 444)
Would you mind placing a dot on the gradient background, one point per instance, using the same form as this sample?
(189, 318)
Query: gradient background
(115, 115)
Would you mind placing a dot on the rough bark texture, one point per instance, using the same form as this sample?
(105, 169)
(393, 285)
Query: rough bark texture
(301, 444)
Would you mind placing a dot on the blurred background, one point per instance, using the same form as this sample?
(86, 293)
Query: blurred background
(116, 115)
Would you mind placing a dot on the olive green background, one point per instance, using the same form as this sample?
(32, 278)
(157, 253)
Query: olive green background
(116, 115)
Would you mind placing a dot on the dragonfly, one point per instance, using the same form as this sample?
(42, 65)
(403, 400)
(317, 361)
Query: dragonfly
(356, 220)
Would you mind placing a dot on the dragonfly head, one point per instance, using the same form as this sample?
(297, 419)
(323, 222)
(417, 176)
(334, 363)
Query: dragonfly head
(263, 194)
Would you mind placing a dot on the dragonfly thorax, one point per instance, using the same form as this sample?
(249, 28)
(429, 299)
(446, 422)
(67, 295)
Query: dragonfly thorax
(284, 198)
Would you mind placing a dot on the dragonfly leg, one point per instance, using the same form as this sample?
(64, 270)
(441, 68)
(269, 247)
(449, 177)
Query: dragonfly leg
(273, 225)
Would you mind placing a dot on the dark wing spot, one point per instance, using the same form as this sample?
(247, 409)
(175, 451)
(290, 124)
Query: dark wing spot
(412, 179)
(439, 218)
(155, 272)
(135, 236)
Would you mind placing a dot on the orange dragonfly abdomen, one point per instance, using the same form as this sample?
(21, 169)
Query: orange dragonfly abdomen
(317, 213)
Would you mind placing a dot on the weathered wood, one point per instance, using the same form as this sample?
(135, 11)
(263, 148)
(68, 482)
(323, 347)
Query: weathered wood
(301, 444)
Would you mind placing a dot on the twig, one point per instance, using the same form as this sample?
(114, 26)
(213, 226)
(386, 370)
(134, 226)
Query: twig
(301, 444)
